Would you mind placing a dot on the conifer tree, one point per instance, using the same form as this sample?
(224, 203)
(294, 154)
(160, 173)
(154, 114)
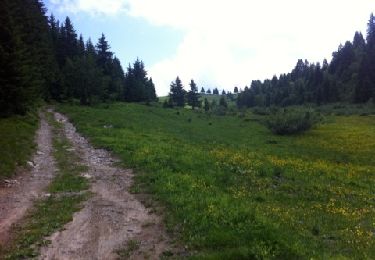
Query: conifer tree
(358, 41)
(177, 92)
(192, 95)
(104, 55)
(138, 87)
(69, 39)
(81, 46)
(90, 48)
(366, 85)
(27, 61)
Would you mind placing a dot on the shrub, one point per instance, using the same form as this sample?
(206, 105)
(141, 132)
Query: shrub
(292, 121)
(262, 111)
(219, 111)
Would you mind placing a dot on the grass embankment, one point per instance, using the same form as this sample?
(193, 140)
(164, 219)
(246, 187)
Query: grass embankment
(234, 190)
(52, 213)
(16, 142)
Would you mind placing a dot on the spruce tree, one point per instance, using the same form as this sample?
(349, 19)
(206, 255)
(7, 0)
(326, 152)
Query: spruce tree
(104, 55)
(138, 87)
(27, 60)
(81, 46)
(366, 85)
(69, 38)
(192, 95)
(358, 41)
(177, 92)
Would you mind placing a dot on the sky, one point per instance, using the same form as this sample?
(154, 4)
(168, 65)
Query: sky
(218, 43)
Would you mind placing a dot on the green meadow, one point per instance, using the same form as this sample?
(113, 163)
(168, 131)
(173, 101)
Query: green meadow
(230, 189)
(17, 135)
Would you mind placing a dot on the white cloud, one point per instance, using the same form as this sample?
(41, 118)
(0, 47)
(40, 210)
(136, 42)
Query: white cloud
(228, 43)
(94, 7)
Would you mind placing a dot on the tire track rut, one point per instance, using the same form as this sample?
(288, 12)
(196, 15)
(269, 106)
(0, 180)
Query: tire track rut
(111, 217)
(17, 195)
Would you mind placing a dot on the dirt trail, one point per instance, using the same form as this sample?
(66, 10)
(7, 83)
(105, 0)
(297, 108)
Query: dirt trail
(111, 217)
(17, 195)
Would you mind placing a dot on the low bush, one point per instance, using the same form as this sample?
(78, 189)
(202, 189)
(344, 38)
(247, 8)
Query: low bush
(262, 111)
(292, 121)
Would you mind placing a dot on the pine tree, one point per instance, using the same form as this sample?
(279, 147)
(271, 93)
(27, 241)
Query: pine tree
(117, 83)
(13, 76)
(70, 39)
(177, 92)
(27, 61)
(54, 28)
(138, 87)
(39, 58)
(84, 79)
(365, 88)
(371, 30)
(104, 55)
(81, 46)
(151, 93)
(192, 95)
(358, 41)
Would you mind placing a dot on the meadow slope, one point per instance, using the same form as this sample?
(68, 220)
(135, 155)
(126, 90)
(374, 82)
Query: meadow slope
(232, 189)
(17, 144)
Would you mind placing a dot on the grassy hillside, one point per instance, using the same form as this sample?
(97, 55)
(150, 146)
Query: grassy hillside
(234, 190)
(16, 142)
(210, 98)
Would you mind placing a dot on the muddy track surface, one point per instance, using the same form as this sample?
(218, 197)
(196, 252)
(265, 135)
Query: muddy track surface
(17, 195)
(112, 219)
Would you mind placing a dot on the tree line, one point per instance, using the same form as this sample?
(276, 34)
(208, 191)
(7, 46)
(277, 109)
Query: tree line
(42, 58)
(215, 91)
(349, 77)
(179, 97)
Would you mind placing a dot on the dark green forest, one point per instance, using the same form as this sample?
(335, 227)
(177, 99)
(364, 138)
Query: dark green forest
(42, 58)
(349, 78)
